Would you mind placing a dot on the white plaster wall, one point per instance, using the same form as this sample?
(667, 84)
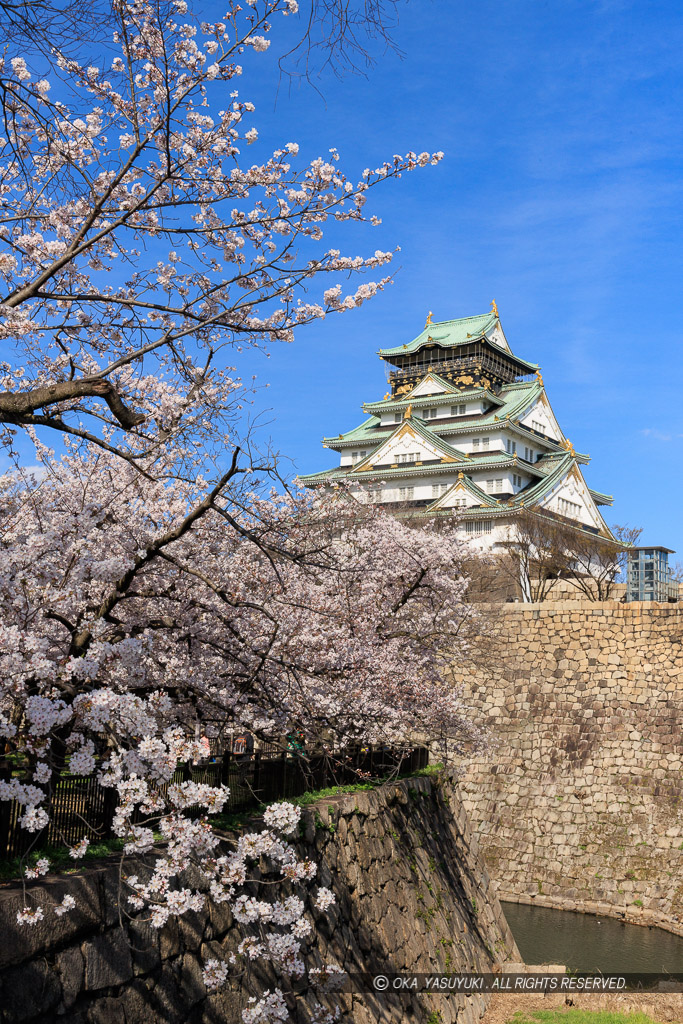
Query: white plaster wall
(347, 455)
(505, 475)
(498, 338)
(542, 415)
(500, 532)
(464, 442)
(577, 492)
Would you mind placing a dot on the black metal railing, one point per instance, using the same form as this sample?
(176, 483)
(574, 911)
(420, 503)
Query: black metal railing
(80, 807)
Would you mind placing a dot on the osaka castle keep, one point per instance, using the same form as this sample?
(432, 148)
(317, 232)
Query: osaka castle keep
(466, 428)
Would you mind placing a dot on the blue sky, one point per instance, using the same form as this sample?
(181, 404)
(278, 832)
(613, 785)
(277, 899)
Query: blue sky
(560, 196)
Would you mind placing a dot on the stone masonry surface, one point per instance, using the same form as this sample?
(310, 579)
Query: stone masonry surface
(412, 893)
(580, 804)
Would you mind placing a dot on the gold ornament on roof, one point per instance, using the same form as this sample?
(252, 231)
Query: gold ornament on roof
(388, 395)
(569, 447)
(461, 475)
(429, 318)
(409, 412)
(494, 307)
(539, 378)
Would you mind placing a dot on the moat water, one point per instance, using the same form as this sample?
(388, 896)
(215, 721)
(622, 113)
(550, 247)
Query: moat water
(584, 942)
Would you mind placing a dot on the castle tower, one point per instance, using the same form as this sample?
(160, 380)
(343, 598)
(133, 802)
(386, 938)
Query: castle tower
(467, 428)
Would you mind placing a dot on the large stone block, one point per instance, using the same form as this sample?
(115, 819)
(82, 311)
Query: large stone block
(136, 1002)
(52, 931)
(191, 927)
(107, 960)
(29, 991)
(144, 946)
(166, 1001)
(70, 967)
(106, 1011)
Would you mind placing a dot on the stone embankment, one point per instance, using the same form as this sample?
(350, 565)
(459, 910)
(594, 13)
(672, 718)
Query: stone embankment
(412, 895)
(580, 804)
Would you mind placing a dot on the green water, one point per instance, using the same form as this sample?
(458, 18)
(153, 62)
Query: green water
(583, 942)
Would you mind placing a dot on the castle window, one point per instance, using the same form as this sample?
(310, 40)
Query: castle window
(458, 410)
(439, 489)
(406, 493)
(428, 414)
(478, 526)
(511, 446)
(569, 508)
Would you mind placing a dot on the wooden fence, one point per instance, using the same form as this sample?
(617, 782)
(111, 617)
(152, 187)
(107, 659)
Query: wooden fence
(80, 807)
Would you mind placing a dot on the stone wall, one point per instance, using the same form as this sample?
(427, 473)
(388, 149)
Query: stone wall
(580, 805)
(412, 895)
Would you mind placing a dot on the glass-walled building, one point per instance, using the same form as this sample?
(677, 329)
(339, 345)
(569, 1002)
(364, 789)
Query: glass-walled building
(648, 575)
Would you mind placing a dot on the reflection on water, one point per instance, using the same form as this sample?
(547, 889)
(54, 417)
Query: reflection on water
(584, 942)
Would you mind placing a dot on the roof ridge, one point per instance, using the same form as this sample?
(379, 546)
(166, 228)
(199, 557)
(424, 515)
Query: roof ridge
(459, 319)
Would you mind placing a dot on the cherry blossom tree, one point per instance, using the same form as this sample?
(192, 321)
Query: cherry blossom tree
(138, 246)
(151, 594)
(118, 658)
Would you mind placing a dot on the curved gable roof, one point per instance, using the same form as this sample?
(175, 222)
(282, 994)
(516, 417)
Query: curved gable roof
(446, 333)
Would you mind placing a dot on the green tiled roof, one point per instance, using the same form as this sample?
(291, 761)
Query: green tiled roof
(494, 460)
(560, 466)
(454, 396)
(447, 333)
(324, 476)
(450, 334)
(418, 427)
(599, 498)
(359, 433)
(555, 469)
(487, 500)
(512, 401)
(516, 399)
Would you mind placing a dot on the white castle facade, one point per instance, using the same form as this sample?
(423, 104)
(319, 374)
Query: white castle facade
(466, 428)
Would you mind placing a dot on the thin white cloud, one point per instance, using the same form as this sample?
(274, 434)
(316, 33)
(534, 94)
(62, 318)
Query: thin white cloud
(24, 472)
(659, 435)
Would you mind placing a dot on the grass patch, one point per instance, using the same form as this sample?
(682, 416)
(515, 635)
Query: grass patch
(233, 821)
(577, 1016)
(431, 769)
(61, 862)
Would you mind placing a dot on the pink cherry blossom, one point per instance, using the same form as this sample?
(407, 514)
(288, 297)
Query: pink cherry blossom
(153, 594)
